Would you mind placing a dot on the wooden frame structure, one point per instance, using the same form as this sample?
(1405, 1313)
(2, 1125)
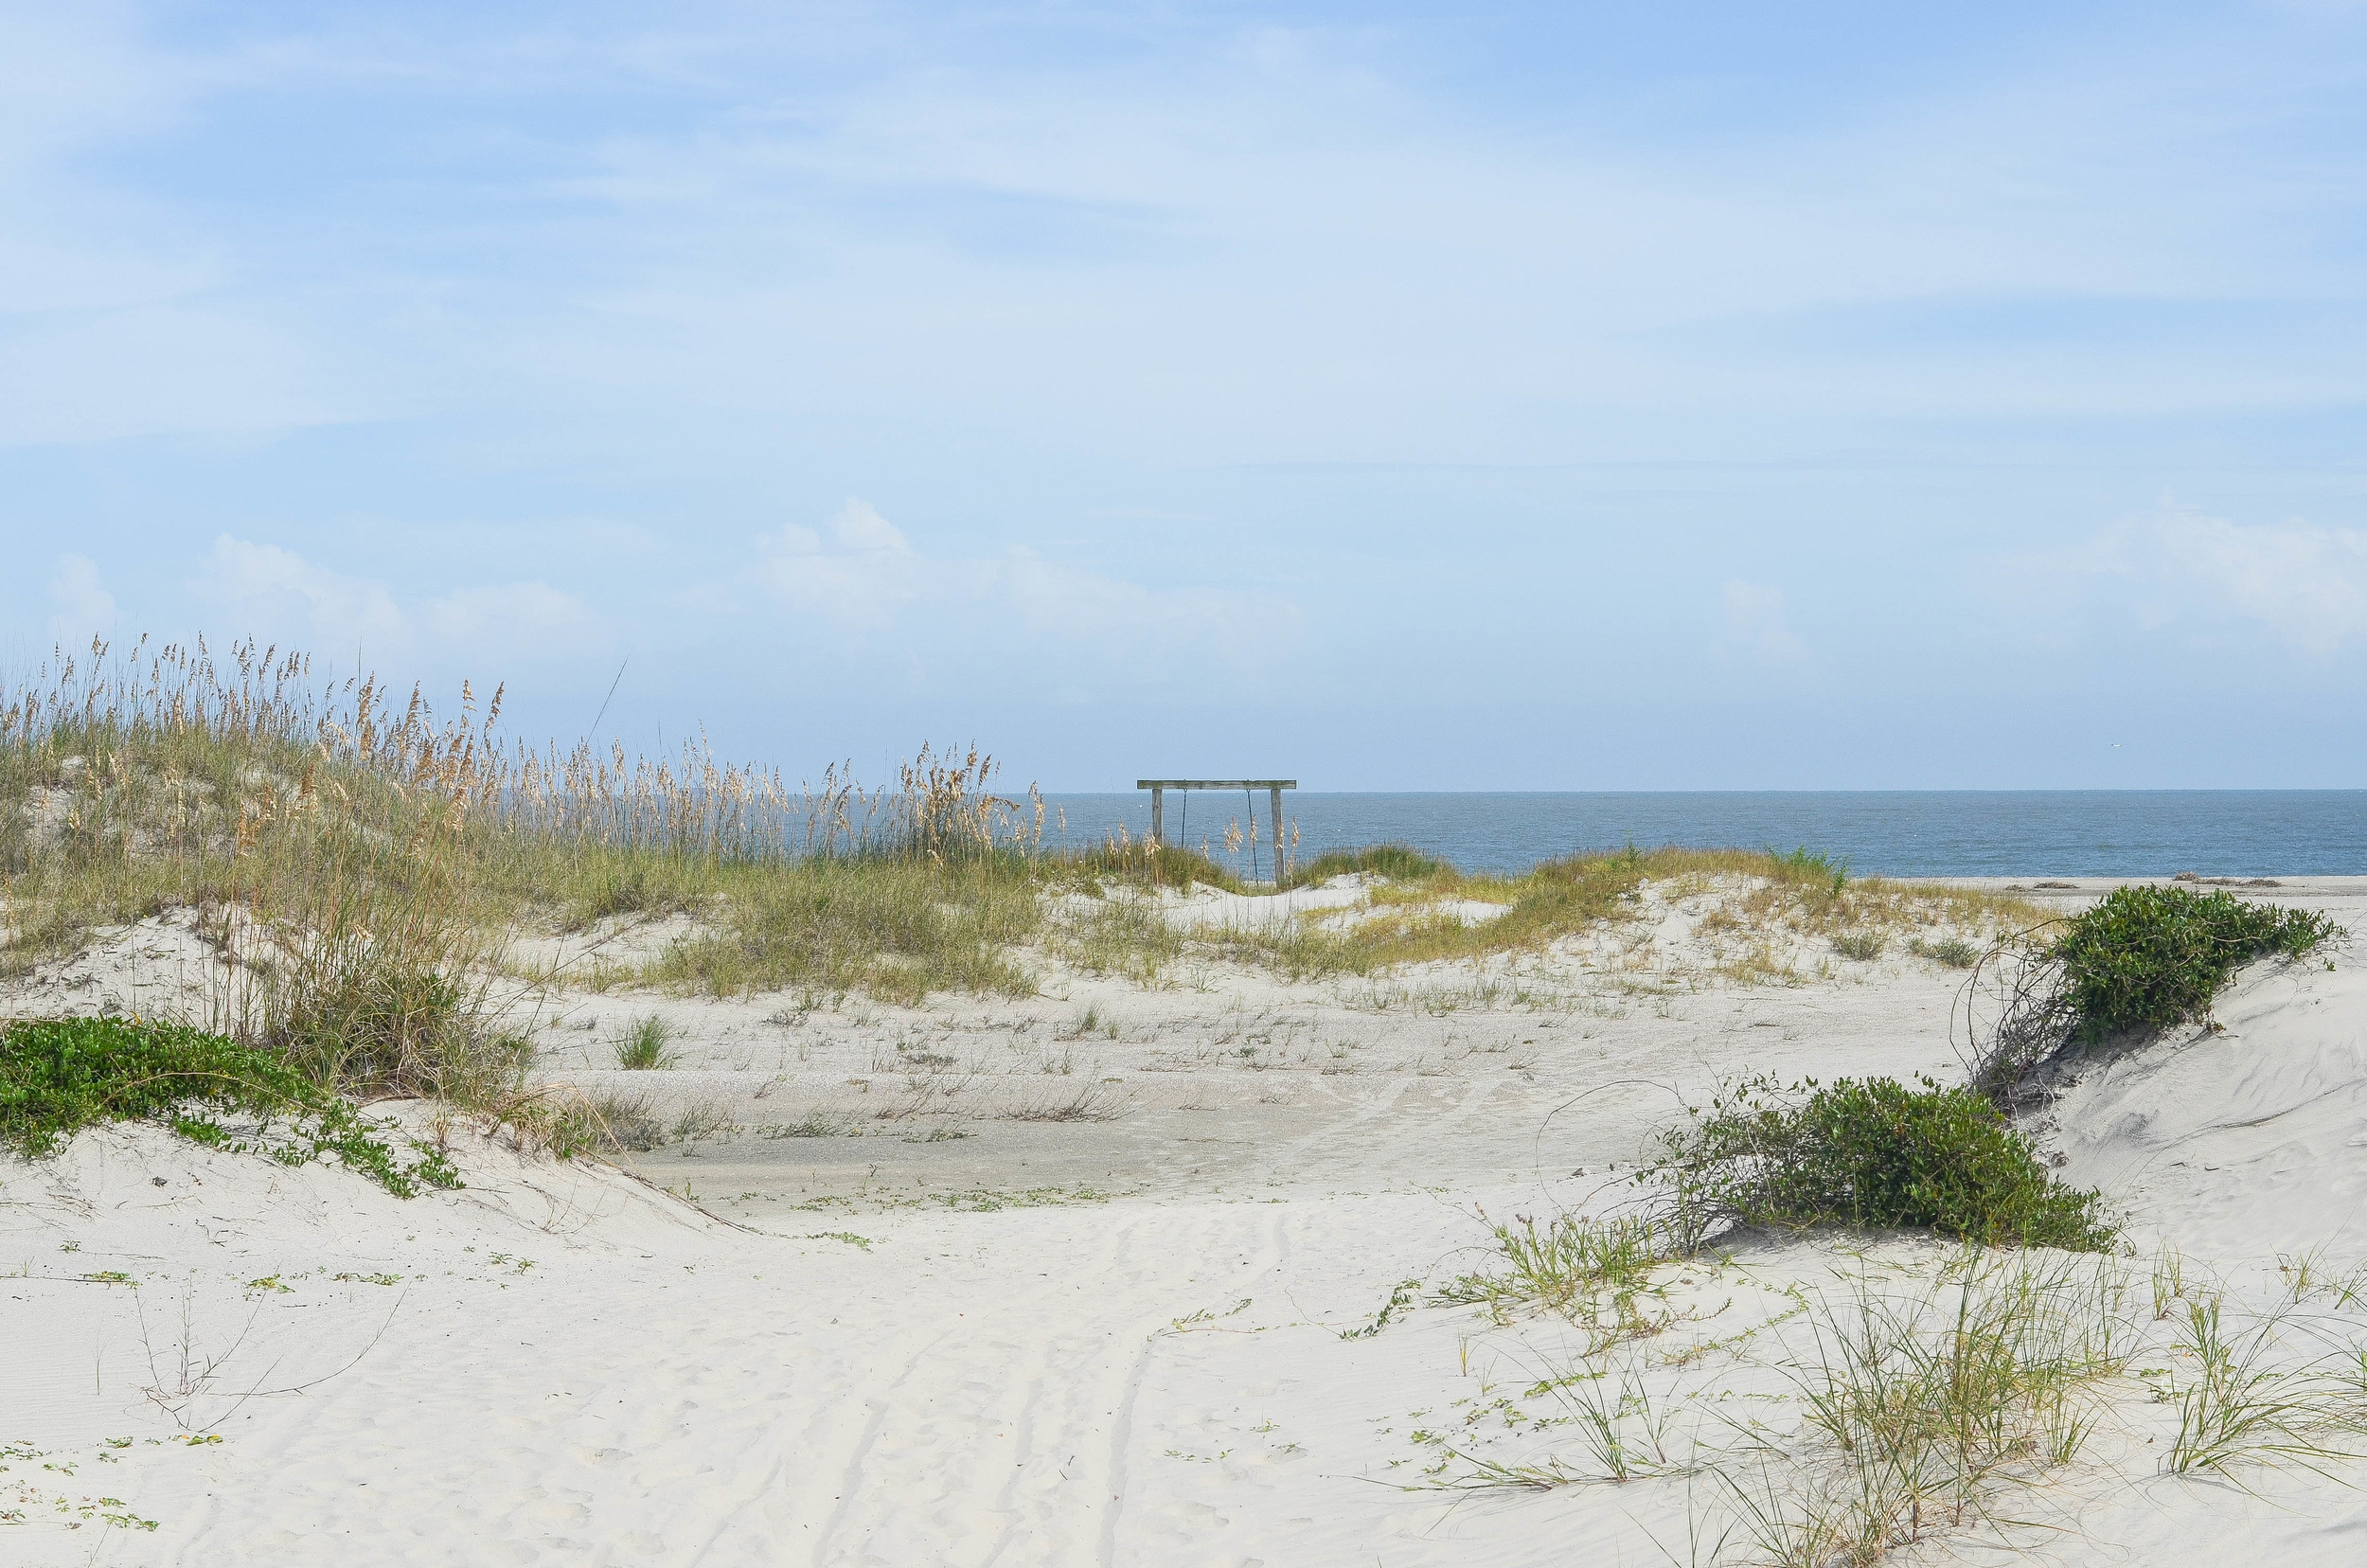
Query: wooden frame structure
(1274, 788)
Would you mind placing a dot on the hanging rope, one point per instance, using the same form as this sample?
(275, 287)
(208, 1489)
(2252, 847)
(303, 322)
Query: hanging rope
(1249, 808)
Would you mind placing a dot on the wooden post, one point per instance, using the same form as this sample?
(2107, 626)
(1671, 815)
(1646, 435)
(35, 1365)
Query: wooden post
(1275, 816)
(1157, 816)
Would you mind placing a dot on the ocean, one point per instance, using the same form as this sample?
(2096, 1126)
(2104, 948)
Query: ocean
(1879, 832)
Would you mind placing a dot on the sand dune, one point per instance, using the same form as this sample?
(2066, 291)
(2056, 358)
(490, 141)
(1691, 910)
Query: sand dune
(1146, 1340)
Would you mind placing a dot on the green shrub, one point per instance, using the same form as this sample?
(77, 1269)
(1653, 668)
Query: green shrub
(59, 1076)
(2148, 958)
(1875, 1153)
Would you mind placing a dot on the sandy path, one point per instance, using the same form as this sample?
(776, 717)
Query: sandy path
(972, 1388)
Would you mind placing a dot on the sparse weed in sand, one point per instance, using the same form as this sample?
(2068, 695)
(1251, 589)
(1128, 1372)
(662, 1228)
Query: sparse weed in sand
(1921, 1402)
(1947, 952)
(1861, 946)
(1089, 1101)
(813, 1124)
(1124, 935)
(1922, 1405)
(707, 1116)
(625, 1123)
(646, 1044)
(1568, 1263)
(2251, 1400)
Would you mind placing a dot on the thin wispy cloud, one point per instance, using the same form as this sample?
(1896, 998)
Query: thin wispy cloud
(270, 592)
(2301, 584)
(1277, 378)
(84, 608)
(858, 574)
(1756, 628)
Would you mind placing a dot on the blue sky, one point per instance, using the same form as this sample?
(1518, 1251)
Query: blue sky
(1392, 397)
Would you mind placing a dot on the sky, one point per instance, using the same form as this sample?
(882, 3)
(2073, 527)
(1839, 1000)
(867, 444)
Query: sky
(1520, 397)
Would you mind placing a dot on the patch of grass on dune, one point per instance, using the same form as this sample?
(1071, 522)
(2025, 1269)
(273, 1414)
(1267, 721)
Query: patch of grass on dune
(1137, 862)
(898, 929)
(368, 862)
(1397, 861)
(1405, 923)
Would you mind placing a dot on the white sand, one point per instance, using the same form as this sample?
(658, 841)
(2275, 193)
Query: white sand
(852, 1363)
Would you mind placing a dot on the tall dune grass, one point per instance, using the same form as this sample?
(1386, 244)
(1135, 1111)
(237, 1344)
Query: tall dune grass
(367, 857)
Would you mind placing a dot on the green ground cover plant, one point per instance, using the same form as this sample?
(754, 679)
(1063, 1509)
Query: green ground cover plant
(1875, 1153)
(59, 1076)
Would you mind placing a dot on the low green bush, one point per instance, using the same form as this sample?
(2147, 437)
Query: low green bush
(1875, 1153)
(2148, 958)
(59, 1076)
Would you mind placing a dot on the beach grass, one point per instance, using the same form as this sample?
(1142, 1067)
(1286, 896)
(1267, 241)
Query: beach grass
(369, 865)
(646, 1044)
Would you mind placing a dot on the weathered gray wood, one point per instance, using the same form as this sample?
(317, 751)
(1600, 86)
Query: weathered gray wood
(1157, 816)
(1275, 816)
(1216, 783)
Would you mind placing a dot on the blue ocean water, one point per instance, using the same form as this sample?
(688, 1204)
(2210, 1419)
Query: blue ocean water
(1899, 833)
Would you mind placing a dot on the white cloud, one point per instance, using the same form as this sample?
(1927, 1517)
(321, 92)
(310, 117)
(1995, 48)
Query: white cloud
(279, 594)
(1756, 625)
(2306, 583)
(860, 572)
(858, 575)
(85, 608)
(520, 620)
